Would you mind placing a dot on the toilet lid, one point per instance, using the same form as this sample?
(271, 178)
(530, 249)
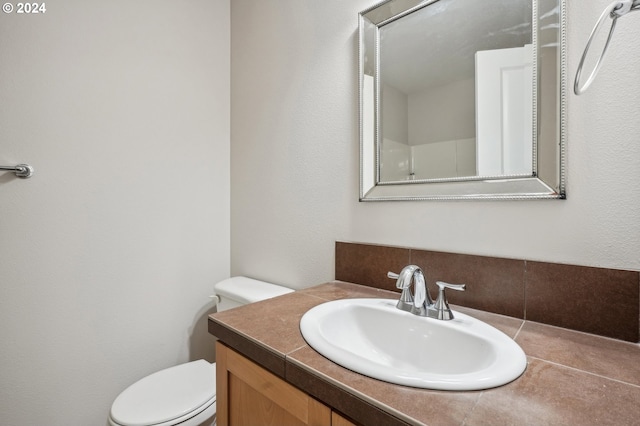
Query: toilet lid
(166, 395)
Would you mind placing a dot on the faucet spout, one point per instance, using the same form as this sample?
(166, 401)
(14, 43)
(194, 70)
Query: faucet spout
(417, 302)
(422, 299)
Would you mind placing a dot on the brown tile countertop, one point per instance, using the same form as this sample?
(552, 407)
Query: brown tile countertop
(572, 378)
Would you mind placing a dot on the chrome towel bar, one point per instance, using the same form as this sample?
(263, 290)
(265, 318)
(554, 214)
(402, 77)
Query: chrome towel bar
(21, 170)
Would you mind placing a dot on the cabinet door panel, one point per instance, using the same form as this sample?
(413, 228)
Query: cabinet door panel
(338, 420)
(249, 395)
(249, 407)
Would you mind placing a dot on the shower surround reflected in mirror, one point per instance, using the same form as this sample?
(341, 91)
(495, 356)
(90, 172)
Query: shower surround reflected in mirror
(462, 100)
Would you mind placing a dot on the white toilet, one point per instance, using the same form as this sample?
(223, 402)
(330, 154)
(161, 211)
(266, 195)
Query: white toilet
(185, 395)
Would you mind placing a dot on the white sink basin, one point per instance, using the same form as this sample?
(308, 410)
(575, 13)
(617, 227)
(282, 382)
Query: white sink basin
(374, 338)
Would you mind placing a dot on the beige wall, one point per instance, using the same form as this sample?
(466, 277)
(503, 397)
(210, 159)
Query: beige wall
(395, 114)
(295, 155)
(442, 114)
(294, 173)
(108, 253)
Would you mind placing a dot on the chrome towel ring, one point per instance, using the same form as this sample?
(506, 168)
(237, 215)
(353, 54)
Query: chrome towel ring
(614, 11)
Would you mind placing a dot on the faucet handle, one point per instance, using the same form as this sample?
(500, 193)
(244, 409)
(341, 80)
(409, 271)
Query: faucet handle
(442, 285)
(404, 277)
(441, 307)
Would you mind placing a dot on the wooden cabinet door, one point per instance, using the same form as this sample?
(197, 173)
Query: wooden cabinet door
(338, 420)
(249, 395)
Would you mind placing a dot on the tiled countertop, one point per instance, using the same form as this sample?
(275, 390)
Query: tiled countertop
(572, 378)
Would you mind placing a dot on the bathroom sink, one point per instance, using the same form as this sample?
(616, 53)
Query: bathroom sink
(374, 338)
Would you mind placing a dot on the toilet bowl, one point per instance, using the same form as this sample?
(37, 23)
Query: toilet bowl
(185, 395)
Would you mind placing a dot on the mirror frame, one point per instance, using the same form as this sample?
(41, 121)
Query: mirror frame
(466, 188)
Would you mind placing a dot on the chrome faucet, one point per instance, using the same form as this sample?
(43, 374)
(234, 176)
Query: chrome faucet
(420, 302)
(410, 302)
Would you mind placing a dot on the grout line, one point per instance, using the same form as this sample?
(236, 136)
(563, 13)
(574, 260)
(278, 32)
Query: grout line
(519, 330)
(524, 289)
(305, 345)
(464, 421)
(315, 296)
(586, 333)
(354, 392)
(585, 371)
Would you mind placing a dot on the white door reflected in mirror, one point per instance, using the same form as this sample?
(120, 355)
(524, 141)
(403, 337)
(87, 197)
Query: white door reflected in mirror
(504, 111)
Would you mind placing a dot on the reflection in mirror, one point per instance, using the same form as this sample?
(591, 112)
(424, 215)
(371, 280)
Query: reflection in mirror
(462, 99)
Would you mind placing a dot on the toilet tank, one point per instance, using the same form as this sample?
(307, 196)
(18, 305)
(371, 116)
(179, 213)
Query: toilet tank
(238, 291)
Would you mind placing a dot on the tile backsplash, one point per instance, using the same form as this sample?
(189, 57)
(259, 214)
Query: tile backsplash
(594, 300)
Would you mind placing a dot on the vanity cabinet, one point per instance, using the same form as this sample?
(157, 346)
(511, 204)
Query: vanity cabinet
(247, 394)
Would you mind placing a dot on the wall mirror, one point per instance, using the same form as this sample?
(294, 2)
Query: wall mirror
(462, 99)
